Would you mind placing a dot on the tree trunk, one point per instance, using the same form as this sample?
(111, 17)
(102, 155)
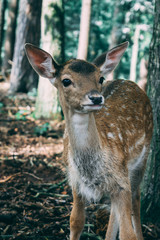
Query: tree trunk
(10, 35)
(47, 105)
(151, 183)
(134, 54)
(142, 83)
(23, 77)
(84, 29)
(3, 4)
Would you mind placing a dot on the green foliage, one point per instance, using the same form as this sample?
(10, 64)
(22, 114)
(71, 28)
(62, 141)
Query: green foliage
(1, 106)
(55, 24)
(42, 129)
(21, 114)
(101, 26)
(108, 17)
(72, 11)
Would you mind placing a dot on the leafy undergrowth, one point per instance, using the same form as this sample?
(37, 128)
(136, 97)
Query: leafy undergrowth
(35, 199)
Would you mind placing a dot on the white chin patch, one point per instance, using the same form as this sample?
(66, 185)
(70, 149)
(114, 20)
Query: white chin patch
(92, 107)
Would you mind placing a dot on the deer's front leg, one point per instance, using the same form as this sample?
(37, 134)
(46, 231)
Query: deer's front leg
(112, 229)
(77, 218)
(123, 208)
(136, 214)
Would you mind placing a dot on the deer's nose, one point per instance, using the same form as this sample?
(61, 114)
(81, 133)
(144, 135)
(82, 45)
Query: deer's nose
(95, 97)
(96, 100)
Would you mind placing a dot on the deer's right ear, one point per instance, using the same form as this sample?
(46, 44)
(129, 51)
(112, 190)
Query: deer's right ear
(42, 62)
(108, 61)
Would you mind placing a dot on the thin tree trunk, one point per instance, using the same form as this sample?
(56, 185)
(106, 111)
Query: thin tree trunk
(114, 34)
(134, 54)
(62, 33)
(47, 105)
(84, 29)
(23, 77)
(143, 74)
(151, 184)
(3, 4)
(10, 35)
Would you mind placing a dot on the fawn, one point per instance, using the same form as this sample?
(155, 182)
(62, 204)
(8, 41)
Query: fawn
(107, 137)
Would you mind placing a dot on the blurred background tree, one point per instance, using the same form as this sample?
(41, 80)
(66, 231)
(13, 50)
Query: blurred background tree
(23, 78)
(10, 36)
(47, 104)
(111, 22)
(3, 6)
(84, 29)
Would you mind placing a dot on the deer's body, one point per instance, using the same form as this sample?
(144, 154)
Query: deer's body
(93, 168)
(107, 137)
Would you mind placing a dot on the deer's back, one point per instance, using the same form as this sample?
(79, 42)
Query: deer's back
(125, 123)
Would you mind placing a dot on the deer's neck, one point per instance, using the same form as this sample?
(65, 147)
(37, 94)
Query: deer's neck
(82, 131)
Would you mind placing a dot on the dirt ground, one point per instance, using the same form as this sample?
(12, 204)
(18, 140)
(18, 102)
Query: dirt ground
(35, 199)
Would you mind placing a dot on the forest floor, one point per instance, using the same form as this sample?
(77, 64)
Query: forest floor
(35, 199)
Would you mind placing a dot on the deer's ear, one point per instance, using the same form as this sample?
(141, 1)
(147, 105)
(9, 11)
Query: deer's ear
(42, 62)
(109, 60)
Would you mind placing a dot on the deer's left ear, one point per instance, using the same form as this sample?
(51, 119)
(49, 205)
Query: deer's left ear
(42, 62)
(109, 60)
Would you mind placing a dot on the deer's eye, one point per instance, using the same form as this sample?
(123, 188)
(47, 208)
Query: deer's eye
(66, 82)
(101, 80)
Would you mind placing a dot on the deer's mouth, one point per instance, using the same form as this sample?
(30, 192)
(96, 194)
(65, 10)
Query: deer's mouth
(92, 107)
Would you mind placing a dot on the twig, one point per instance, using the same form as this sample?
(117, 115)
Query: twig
(32, 175)
(56, 185)
(19, 174)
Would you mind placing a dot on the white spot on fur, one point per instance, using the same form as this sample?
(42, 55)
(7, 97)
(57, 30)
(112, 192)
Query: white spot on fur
(110, 135)
(130, 132)
(128, 118)
(120, 137)
(140, 140)
(124, 106)
(104, 135)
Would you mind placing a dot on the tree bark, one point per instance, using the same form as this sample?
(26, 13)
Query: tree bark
(10, 35)
(47, 105)
(151, 183)
(23, 77)
(84, 29)
(3, 4)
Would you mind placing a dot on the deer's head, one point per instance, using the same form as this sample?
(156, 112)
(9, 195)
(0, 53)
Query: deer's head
(79, 82)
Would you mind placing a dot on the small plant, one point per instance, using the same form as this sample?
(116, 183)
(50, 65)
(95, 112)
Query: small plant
(1, 106)
(21, 114)
(42, 129)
